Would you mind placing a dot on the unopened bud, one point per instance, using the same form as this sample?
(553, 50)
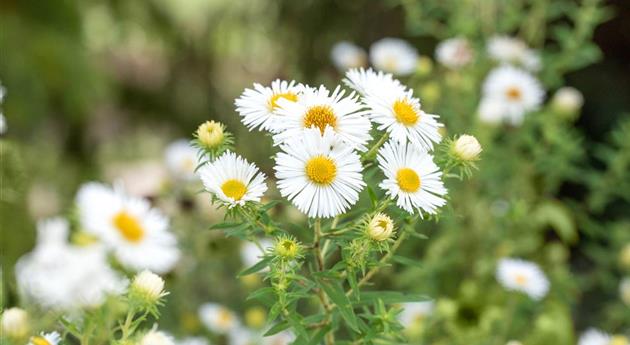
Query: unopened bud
(380, 227)
(210, 134)
(147, 287)
(466, 148)
(15, 323)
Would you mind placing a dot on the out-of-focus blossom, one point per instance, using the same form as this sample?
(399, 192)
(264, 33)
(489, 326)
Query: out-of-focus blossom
(181, 160)
(394, 55)
(251, 253)
(141, 179)
(218, 319)
(52, 338)
(413, 313)
(155, 337)
(346, 55)
(454, 53)
(567, 100)
(523, 276)
(512, 50)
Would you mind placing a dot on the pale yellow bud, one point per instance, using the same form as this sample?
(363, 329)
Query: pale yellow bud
(148, 286)
(210, 134)
(255, 317)
(567, 100)
(15, 323)
(466, 148)
(380, 227)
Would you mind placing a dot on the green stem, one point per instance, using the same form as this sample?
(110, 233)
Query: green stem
(368, 155)
(126, 327)
(319, 258)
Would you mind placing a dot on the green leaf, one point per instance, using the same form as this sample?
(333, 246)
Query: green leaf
(257, 267)
(224, 225)
(338, 296)
(279, 327)
(407, 261)
(390, 297)
(556, 215)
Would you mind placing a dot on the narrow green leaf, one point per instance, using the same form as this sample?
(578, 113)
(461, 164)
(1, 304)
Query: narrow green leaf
(337, 295)
(257, 267)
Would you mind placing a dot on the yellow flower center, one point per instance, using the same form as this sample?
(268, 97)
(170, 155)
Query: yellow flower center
(408, 180)
(273, 101)
(128, 226)
(513, 93)
(39, 341)
(234, 189)
(619, 340)
(405, 113)
(321, 169)
(225, 318)
(521, 279)
(320, 116)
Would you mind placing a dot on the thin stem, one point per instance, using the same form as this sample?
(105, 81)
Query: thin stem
(319, 258)
(368, 155)
(125, 328)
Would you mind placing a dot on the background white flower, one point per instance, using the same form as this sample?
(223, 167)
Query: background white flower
(523, 276)
(512, 50)
(345, 55)
(319, 174)
(394, 55)
(594, 336)
(217, 318)
(414, 312)
(181, 159)
(454, 52)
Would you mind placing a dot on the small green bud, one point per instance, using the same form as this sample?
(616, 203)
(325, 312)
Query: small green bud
(210, 134)
(287, 247)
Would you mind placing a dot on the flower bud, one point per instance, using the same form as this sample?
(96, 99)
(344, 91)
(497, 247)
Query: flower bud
(380, 227)
(466, 148)
(147, 288)
(287, 247)
(567, 100)
(210, 134)
(15, 323)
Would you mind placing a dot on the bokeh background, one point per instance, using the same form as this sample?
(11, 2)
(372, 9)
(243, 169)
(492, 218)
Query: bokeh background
(96, 89)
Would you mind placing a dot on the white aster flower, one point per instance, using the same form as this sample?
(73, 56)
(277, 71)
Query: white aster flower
(233, 180)
(518, 92)
(52, 338)
(395, 109)
(491, 111)
(217, 318)
(394, 55)
(15, 323)
(243, 336)
(345, 55)
(193, 341)
(411, 177)
(454, 52)
(258, 106)
(415, 312)
(181, 159)
(567, 100)
(60, 276)
(319, 174)
(594, 337)
(512, 50)
(155, 337)
(318, 108)
(523, 276)
(137, 233)
(251, 254)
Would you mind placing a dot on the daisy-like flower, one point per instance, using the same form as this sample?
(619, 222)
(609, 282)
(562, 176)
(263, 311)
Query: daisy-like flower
(523, 276)
(394, 108)
(411, 177)
(155, 337)
(394, 55)
(138, 234)
(52, 338)
(454, 52)
(413, 313)
(318, 108)
(258, 106)
(217, 318)
(345, 55)
(512, 50)
(181, 159)
(594, 336)
(516, 90)
(320, 174)
(233, 180)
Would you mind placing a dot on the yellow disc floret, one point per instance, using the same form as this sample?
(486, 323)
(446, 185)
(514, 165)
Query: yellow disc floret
(320, 116)
(408, 180)
(405, 112)
(321, 170)
(273, 101)
(234, 189)
(128, 226)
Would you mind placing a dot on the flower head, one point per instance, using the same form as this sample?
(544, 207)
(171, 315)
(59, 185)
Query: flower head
(454, 52)
(258, 106)
(466, 148)
(319, 174)
(52, 338)
(210, 134)
(233, 180)
(15, 323)
(217, 318)
(394, 55)
(411, 177)
(512, 50)
(155, 337)
(523, 276)
(287, 247)
(181, 160)
(380, 227)
(345, 55)
(147, 288)
(414, 313)
(594, 336)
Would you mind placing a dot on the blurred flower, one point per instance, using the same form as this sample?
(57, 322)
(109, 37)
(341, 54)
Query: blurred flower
(243, 336)
(318, 108)
(210, 134)
(524, 276)
(3, 124)
(413, 313)
(512, 50)
(233, 180)
(567, 100)
(255, 317)
(217, 318)
(594, 337)
(43, 200)
(394, 108)
(318, 173)
(193, 341)
(346, 55)
(454, 53)
(64, 277)
(259, 107)
(624, 290)
(517, 91)
(394, 55)
(141, 179)
(181, 160)
(513, 342)
(155, 337)
(15, 323)
(280, 338)
(138, 234)
(52, 338)
(411, 177)
(466, 148)
(147, 288)
(251, 253)
(380, 227)
(491, 111)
